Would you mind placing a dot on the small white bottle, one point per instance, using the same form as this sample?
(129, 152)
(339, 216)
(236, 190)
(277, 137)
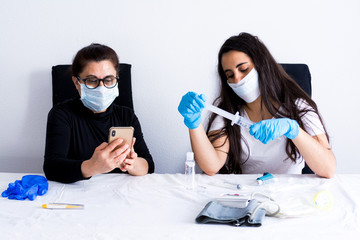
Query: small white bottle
(190, 171)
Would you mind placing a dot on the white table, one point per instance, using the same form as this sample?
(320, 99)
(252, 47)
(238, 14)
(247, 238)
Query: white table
(157, 206)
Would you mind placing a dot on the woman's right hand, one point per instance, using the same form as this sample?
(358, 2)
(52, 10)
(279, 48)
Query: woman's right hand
(105, 158)
(190, 107)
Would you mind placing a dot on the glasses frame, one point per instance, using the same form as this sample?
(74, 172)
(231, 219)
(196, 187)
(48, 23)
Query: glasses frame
(99, 80)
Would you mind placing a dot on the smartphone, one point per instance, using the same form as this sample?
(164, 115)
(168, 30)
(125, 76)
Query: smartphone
(126, 133)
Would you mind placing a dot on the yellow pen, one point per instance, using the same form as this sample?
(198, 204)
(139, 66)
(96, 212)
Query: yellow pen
(62, 206)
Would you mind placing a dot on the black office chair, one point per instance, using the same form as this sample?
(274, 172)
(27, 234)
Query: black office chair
(301, 74)
(63, 87)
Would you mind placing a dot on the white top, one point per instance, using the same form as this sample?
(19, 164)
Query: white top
(272, 157)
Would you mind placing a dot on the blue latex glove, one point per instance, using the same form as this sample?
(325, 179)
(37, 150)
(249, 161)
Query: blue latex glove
(190, 107)
(28, 187)
(268, 130)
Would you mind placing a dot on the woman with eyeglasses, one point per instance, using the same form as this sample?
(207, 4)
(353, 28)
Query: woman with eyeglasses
(287, 131)
(77, 130)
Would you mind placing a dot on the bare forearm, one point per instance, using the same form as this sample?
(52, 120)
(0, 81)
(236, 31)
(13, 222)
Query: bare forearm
(87, 169)
(141, 167)
(208, 159)
(317, 154)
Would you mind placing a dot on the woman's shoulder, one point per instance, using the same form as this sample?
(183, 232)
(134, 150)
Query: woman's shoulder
(124, 114)
(310, 118)
(302, 104)
(67, 109)
(66, 106)
(122, 109)
(64, 112)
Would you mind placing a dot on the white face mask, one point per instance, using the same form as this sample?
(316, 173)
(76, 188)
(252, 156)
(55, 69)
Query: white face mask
(248, 88)
(98, 99)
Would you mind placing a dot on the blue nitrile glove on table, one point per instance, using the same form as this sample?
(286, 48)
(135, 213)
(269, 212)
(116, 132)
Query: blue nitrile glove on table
(190, 107)
(268, 130)
(28, 187)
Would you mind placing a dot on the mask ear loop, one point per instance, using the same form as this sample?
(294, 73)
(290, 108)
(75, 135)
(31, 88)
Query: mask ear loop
(271, 201)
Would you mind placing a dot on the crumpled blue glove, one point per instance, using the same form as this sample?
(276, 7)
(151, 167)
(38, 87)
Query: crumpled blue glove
(268, 130)
(190, 107)
(28, 187)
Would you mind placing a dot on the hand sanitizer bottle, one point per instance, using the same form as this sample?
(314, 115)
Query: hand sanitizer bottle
(190, 171)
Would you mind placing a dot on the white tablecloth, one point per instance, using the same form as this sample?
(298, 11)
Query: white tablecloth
(158, 206)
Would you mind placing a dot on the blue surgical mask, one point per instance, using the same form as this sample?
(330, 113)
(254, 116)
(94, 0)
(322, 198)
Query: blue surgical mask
(98, 99)
(248, 88)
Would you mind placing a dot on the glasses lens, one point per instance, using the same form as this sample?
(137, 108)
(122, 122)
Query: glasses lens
(110, 82)
(92, 82)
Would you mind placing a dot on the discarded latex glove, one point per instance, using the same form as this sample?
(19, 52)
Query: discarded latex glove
(28, 187)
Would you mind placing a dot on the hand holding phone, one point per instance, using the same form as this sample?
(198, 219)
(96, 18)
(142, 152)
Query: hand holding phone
(129, 161)
(126, 133)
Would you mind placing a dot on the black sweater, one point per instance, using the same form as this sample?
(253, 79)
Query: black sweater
(73, 132)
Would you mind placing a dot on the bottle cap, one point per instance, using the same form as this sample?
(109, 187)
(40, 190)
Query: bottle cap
(189, 156)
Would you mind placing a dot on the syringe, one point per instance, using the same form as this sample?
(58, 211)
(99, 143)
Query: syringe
(235, 118)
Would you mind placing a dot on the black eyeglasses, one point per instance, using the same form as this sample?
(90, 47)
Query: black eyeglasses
(93, 82)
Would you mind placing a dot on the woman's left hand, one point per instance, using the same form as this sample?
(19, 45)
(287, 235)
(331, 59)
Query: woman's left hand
(268, 130)
(128, 163)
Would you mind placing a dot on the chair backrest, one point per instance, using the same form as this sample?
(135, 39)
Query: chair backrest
(301, 74)
(63, 87)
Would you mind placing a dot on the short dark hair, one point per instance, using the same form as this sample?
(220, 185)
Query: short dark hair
(93, 53)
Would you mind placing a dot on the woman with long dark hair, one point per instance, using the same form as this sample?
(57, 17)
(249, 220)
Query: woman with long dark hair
(287, 131)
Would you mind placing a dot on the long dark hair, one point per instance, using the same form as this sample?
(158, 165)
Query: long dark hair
(277, 89)
(93, 53)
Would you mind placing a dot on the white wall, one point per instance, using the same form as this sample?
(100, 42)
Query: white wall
(172, 46)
